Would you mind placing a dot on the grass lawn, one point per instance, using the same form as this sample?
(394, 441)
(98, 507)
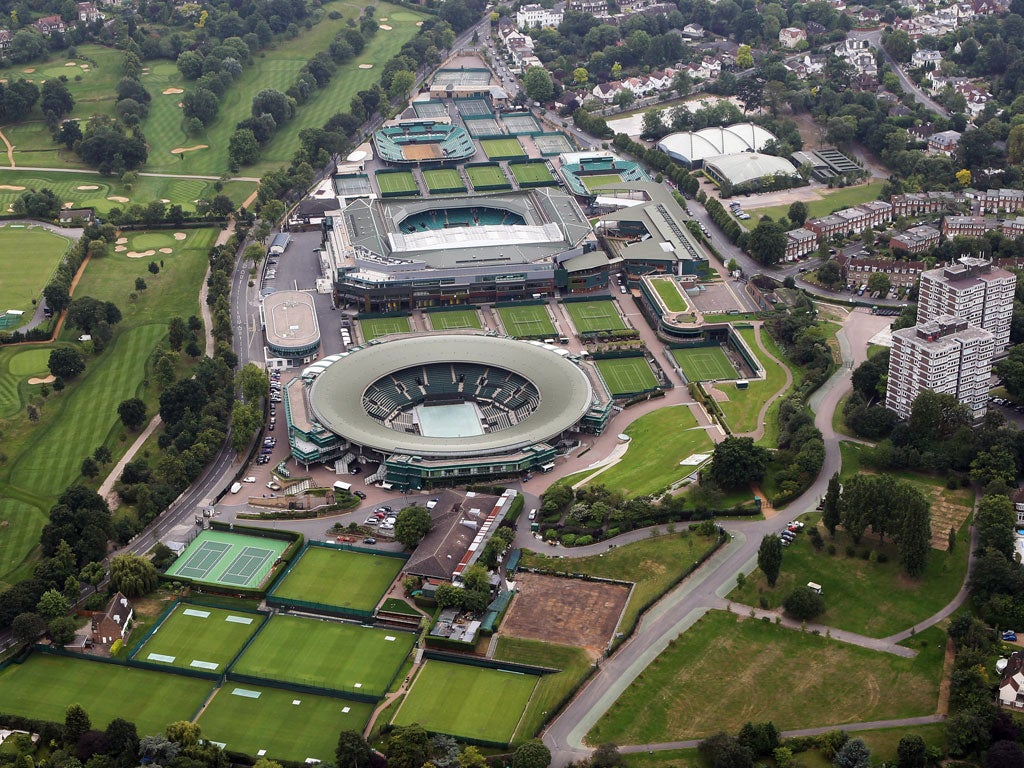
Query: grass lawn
(596, 181)
(531, 173)
(465, 701)
(743, 406)
(401, 183)
(591, 316)
(801, 680)
(704, 363)
(529, 320)
(551, 689)
(341, 657)
(627, 375)
(502, 149)
(832, 201)
(659, 441)
(458, 318)
(287, 724)
(383, 326)
(28, 257)
(488, 177)
(45, 686)
(187, 637)
(440, 180)
(668, 290)
(653, 565)
(339, 578)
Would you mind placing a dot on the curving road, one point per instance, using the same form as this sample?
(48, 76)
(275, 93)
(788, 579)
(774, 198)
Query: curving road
(874, 37)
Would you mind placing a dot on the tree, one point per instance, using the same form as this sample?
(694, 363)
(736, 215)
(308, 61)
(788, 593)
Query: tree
(253, 381)
(878, 282)
(994, 465)
(412, 525)
(769, 558)
(853, 754)
(89, 467)
(1004, 754)
(606, 756)
(913, 536)
(53, 604)
(132, 413)
(744, 57)
(538, 84)
(201, 104)
(797, 213)
(26, 45)
(737, 462)
(353, 751)
(912, 752)
(580, 76)
(994, 522)
(407, 747)
(936, 417)
(530, 754)
(829, 273)
(243, 149)
(66, 362)
(725, 751)
(804, 604)
(274, 103)
(470, 757)
(62, 630)
(402, 82)
(140, 284)
(76, 724)
(123, 738)
(56, 98)
(184, 733)
(28, 626)
(767, 243)
(133, 575)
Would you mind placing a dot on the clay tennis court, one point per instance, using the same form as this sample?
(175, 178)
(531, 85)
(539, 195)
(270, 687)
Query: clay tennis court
(567, 611)
(421, 151)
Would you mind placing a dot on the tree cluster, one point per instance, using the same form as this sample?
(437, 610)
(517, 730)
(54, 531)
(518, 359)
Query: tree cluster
(474, 594)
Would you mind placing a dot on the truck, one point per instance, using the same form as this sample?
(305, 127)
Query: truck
(236, 487)
(279, 244)
(340, 486)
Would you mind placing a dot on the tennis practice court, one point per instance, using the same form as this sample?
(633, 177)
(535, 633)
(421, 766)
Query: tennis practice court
(472, 107)
(383, 326)
(455, 320)
(352, 185)
(483, 126)
(487, 177)
(236, 560)
(627, 375)
(531, 174)
(594, 316)
(502, 149)
(462, 76)
(516, 124)
(430, 109)
(199, 637)
(529, 321)
(705, 364)
(552, 144)
(401, 183)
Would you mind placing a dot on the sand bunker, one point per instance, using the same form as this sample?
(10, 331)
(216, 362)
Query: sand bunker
(118, 199)
(383, 18)
(45, 380)
(69, 204)
(12, 187)
(86, 187)
(122, 240)
(29, 71)
(140, 254)
(71, 64)
(170, 91)
(419, 23)
(182, 150)
(166, 250)
(366, 66)
(120, 248)
(181, 104)
(385, 27)
(180, 235)
(84, 66)
(164, 200)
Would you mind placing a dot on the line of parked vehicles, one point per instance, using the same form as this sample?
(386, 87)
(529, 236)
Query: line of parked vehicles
(1006, 404)
(738, 212)
(789, 533)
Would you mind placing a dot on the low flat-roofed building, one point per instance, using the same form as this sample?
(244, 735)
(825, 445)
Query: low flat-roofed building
(290, 325)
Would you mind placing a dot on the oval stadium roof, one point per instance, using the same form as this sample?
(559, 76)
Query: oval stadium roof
(696, 146)
(747, 166)
(335, 397)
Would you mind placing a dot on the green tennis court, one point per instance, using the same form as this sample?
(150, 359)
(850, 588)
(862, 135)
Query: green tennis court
(593, 316)
(502, 149)
(487, 177)
(599, 180)
(198, 637)
(466, 701)
(443, 180)
(627, 375)
(339, 578)
(531, 173)
(233, 559)
(454, 320)
(705, 364)
(383, 326)
(401, 183)
(326, 654)
(530, 320)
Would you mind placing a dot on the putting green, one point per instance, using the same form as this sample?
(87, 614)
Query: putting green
(29, 362)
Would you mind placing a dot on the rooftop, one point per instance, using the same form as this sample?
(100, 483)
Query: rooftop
(290, 319)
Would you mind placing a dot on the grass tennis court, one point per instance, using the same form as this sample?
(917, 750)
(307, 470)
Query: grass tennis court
(626, 375)
(326, 654)
(530, 320)
(467, 702)
(531, 173)
(271, 720)
(591, 316)
(460, 318)
(704, 364)
(443, 180)
(383, 326)
(219, 557)
(487, 177)
(200, 638)
(500, 149)
(599, 180)
(671, 296)
(401, 183)
(44, 686)
(27, 260)
(339, 578)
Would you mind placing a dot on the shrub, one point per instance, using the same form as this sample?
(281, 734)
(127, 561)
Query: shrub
(569, 539)
(865, 554)
(583, 541)
(850, 551)
(883, 558)
(831, 549)
(763, 602)
(803, 603)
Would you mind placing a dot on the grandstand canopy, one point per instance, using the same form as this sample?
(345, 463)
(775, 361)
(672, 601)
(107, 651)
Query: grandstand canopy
(745, 167)
(696, 146)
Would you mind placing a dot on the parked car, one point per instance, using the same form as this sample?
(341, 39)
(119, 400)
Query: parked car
(1010, 636)
(371, 521)
(359, 494)
(274, 486)
(369, 540)
(797, 523)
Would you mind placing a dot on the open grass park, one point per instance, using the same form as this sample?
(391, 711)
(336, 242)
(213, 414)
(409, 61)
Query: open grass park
(527, 321)
(467, 701)
(397, 183)
(339, 578)
(454, 320)
(594, 316)
(831, 200)
(325, 654)
(383, 326)
(743, 406)
(704, 363)
(658, 442)
(28, 257)
(531, 174)
(627, 375)
(286, 724)
(442, 180)
(502, 149)
(44, 686)
(199, 637)
(487, 177)
(670, 295)
(682, 694)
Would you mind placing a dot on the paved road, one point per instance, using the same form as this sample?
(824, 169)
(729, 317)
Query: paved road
(874, 37)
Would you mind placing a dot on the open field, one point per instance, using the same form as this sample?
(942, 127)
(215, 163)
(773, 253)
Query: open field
(796, 676)
(459, 318)
(668, 290)
(466, 701)
(531, 173)
(28, 257)
(627, 375)
(324, 654)
(44, 686)
(591, 316)
(339, 578)
(704, 363)
(658, 442)
(488, 176)
(401, 183)
(500, 149)
(595, 181)
(744, 405)
(200, 638)
(834, 200)
(383, 326)
(287, 724)
(529, 320)
(443, 180)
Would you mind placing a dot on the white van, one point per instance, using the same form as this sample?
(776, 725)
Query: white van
(340, 486)
(236, 487)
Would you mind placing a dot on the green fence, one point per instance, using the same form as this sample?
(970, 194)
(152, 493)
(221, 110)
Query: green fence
(480, 661)
(316, 690)
(451, 308)
(523, 303)
(291, 603)
(200, 674)
(612, 354)
(378, 315)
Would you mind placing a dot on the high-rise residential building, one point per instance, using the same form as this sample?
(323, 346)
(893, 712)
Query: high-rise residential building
(974, 290)
(946, 355)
